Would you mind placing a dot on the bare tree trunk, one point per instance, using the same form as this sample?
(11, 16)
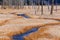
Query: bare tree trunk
(56, 5)
(15, 3)
(2, 6)
(34, 7)
(31, 3)
(19, 3)
(6, 3)
(52, 7)
(10, 3)
(42, 8)
(38, 5)
(22, 3)
(48, 4)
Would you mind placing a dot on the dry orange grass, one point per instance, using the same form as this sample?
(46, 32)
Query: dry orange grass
(6, 17)
(10, 24)
(30, 11)
(48, 32)
(21, 25)
(5, 38)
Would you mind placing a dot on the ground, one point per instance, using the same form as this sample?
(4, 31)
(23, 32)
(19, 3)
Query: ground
(31, 10)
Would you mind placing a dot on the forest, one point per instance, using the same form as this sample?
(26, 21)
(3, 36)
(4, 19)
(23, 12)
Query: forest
(45, 2)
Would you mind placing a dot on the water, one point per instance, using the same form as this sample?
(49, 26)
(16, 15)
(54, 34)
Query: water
(20, 36)
(23, 15)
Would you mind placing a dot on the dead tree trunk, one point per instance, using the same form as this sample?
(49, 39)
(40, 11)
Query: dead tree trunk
(10, 3)
(38, 5)
(52, 7)
(48, 4)
(3, 4)
(15, 3)
(42, 8)
(56, 5)
(21, 3)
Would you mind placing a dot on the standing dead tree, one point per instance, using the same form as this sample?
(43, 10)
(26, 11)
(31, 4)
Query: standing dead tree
(16, 3)
(10, 3)
(6, 3)
(52, 7)
(22, 3)
(56, 5)
(38, 5)
(42, 8)
(48, 4)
